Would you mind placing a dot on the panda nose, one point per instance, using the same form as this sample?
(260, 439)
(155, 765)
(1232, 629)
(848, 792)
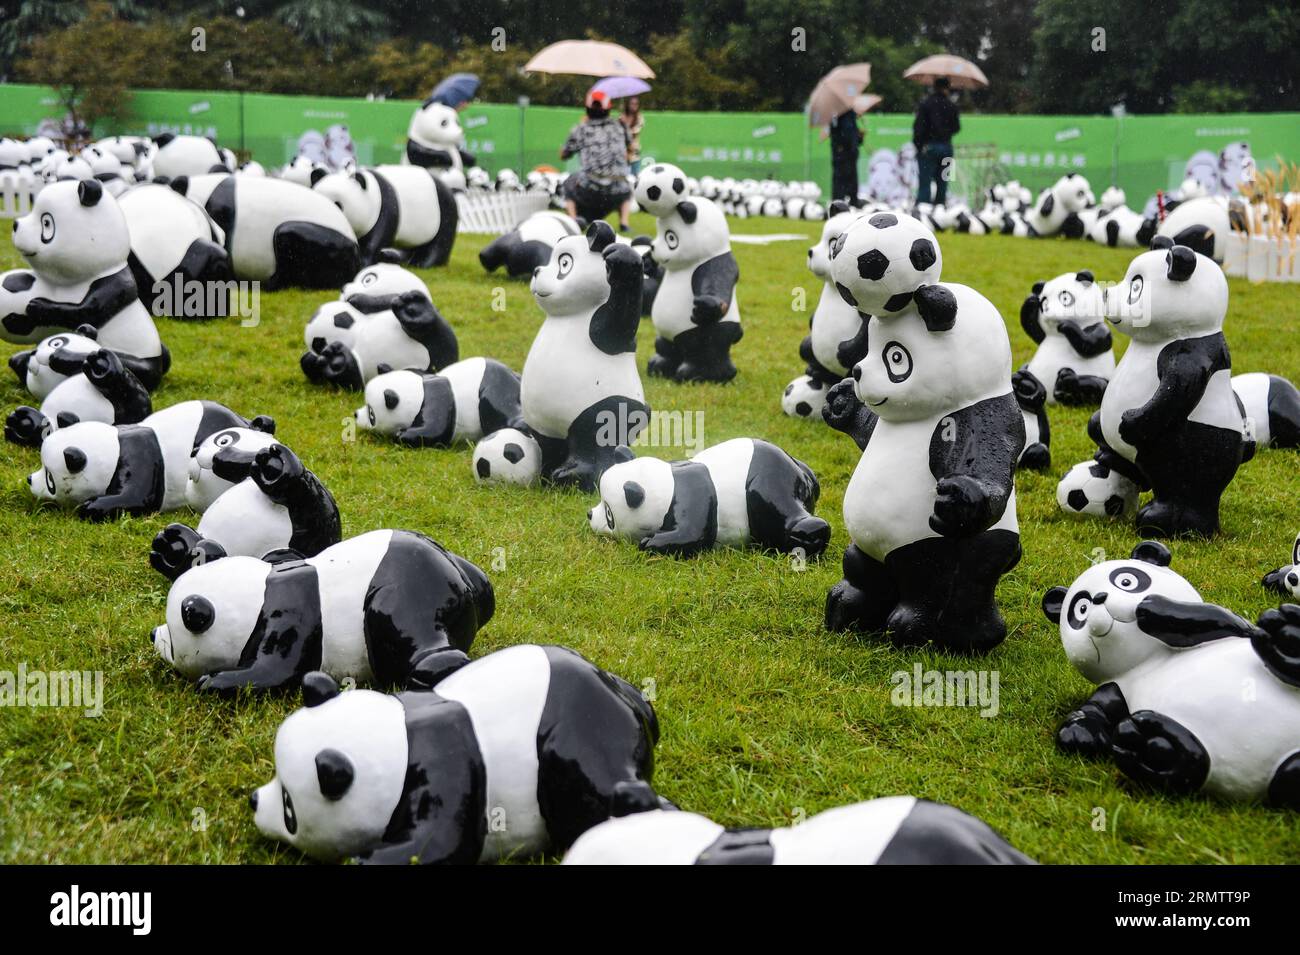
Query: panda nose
(857, 373)
(252, 800)
(1293, 579)
(1099, 599)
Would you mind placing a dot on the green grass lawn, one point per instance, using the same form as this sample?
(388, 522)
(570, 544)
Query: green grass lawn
(765, 715)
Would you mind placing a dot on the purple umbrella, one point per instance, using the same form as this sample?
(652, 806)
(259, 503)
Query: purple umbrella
(619, 87)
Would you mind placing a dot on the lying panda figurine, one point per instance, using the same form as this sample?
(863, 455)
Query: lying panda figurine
(1201, 224)
(895, 830)
(186, 156)
(281, 511)
(1066, 198)
(1191, 697)
(533, 736)
(173, 240)
(393, 608)
(108, 470)
(462, 402)
(1270, 406)
(1066, 318)
(1286, 579)
(401, 207)
(103, 391)
(741, 492)
(56, 359)
(225, 458)
(527, 247)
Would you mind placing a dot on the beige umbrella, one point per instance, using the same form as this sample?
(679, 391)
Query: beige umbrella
(961, 73)
(861, 104)
(589, 58)
(837, 91)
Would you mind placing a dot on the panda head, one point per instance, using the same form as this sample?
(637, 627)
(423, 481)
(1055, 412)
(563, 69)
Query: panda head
(77, 463)
(340, 770)
(383, 279)
(694, 231)
(634, 499)
(436, 125)
(1073, 296)
(659, 188)
(575, 281)
(212, 611)
(102, 161)
(75, 233)
(67, 350)
(1073, 193)
(353, 193)
(1097, 613)
(882, 259)
(335, 321)
(223, 460)
(1113, 198)
(300, 170)
(393, 400)
(1169, 292)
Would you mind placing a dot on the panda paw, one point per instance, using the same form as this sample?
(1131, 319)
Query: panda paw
(172, 550)
(26, 426)
(961, 507)
(622, 263)
(97, 510)
(102, 366)
(276, 468)
(1133, 427)
(1275, 580)
(811, 535)
(1083, 735)
(433, 667)
(708, 309)
(1278, 642)
(842, 406)
(334, 365)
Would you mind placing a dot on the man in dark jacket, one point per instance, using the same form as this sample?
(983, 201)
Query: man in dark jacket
(846, 138)
(937, 121)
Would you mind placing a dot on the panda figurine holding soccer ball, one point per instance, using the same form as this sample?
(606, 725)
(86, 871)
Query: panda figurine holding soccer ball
(104, 391)
(1171, 707)
(527, 247)
(433, 141)
(931, 507)
(1286, 579)
(462, 402)
(401, 207)
(741, 492)
(1169, 419)
(535, 735)
(1066, 318)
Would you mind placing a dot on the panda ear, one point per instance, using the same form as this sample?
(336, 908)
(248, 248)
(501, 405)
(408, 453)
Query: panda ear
(838, 206)
(599, 236)
(334, 773)
(1182, 263)
(318, 688)
(383, 368)
(66, 419)
(361, 180)
(1053, 601)
(390, 399)
(162, 139)
(1085, 276)
(389, 257)
(74, 459)
(180, 184)
(937, 307)
(88, 331)
(1161, 242)
(90, 191)
(1152, 552)
(688, 211)
(634, 494)
(1037, 288)
(317, 175)
(263, 423)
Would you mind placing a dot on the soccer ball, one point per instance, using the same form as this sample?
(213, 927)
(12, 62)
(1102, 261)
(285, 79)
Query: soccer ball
(659, 188)
(507, 457)
(804, 397)
(1094, 489)
(882, 258)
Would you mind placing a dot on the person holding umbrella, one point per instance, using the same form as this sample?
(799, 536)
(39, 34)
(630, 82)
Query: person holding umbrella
(602, 144)
(836, 102)
(937, 121)
(846, 141)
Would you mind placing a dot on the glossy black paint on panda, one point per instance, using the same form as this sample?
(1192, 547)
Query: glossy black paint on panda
(105, 371)
(435, 423)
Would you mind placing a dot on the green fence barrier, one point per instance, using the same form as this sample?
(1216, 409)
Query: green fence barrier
(1139, 153)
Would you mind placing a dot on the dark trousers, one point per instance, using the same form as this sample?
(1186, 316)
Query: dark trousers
(932, 168)
(844, 176)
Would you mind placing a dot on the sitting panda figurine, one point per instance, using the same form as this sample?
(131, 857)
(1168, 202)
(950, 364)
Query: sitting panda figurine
(581, 398)
(178, 155)
(931, 507)
(108, 470)
(433, 141)
(741, 492)
(535, 735)
(77, 242)
(393, 608)
(462, 402)
(1069, 196)
(401, 207)
(1270, 405)
(895, 830)
(172, 239)
(106, 168)
(276, 232)
(695, 314)
(1169, 419)
(224, 459)
(1286, 579)
(281, 511)
(1066, 318)
(527, 247)
(104, 391)
(1171, 707)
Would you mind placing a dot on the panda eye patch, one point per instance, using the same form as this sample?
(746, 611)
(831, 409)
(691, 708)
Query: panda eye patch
(290, 817)
(58, 342)
(1131, 580)
(370, 279)
(609, 516)
(1135, 290)
(197, 613)
(1067, 299)
(1080, 606)
(49, 482)
(225, 439)
(47, 227)
(564, 264)
(371, 413)
(670, 239)
(898, 362)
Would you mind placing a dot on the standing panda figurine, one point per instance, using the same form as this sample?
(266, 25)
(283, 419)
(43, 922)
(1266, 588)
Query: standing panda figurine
(895, 830)
(389, 607)
(401, 207)
(1191, 697)
(104, 391)
(1066, 318)
(462, 402)
(527, 247)
(533, 735)
(580, 395)
(172, 239)
(77, 243)
(695, 314)
(741, 492)
(1169, 419)
(433, 141)
(931, 507)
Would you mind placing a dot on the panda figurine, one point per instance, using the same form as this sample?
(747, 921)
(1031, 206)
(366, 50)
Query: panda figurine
(374, 289)
(658, 189)
(388, 607)
(533, 736)
(1286, 579)
(1069, 196)
(1117, 228)
(281, 511)
(433, 141)
(1201, 224)
(76, 240)
(1066, 318)
(108, 170)
(401, 207)
(1171, 705)
(300, 169)
(895, 830)
(527, 247)
(1169, 419)
(224, 459)
(695, 314)
(106, 470)
(104, 391)
(277, 232)
(581, 398)
(178, 156)
(741, 492)
(54, 360)
(1270, 405)
(931, 507)
(836, 332)
(462, 402)
(172, 239)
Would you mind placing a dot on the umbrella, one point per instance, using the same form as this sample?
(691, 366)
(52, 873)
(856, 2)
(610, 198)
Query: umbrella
(860, 105)
(961, 73)
(589, 58)
(454, 90)
(836, 91)
(618, 87)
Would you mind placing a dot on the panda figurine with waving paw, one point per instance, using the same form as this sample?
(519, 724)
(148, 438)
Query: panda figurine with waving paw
(104, 391)
(374, 289)
(535, 735)
(56, 359)
(1066, 318)
(931, 507)
(462, 402)
(1170, 707)
(225, 458)
(399, 207)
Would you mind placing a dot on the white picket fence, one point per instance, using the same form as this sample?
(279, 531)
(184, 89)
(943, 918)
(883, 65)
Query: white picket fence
(496, 213)
(1262, 258)
(16, 194)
